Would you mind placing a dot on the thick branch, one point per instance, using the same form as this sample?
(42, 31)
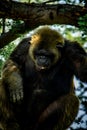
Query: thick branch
(39, 14)
(12, 35)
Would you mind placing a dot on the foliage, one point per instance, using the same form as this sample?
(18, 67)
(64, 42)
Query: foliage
(72, 33)
(83, 23)
(4, 53)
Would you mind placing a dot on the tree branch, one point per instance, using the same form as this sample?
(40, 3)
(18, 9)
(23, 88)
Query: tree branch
(12, 34)
(39, 14)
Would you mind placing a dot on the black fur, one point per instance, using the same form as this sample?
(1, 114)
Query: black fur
(48, 101)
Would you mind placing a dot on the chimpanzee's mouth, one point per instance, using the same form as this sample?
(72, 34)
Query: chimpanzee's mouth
(43, 62)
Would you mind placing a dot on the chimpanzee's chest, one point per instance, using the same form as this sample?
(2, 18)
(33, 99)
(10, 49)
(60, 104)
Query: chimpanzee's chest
(53, 85)
(46, 85)
(41, 89)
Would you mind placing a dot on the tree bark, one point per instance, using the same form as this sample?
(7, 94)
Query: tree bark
(38, 14)
(11, 35)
